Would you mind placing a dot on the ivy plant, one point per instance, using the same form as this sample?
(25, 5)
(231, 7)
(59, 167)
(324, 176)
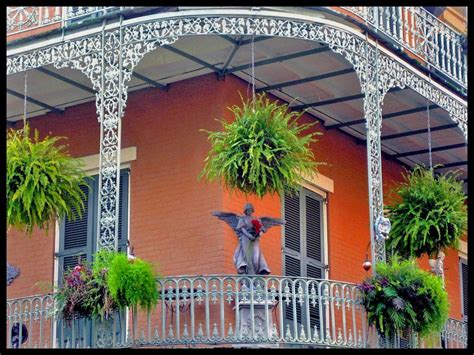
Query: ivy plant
(402, 296)
(43, 181)
(428, 213)
(263, 150)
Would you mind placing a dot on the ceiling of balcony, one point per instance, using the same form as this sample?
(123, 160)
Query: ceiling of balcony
(295, 71)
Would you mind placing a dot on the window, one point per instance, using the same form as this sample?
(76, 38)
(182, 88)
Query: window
(464, 280)
(304, 244)
(79, 239)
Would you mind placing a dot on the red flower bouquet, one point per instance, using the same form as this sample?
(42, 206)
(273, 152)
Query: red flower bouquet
(257, 227)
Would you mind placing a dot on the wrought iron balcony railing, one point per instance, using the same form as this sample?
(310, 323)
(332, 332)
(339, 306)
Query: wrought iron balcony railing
(219, 310)
(26, 18)
(412, 28)
(416, 30)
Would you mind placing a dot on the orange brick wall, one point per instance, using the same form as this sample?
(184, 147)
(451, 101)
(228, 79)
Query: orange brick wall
(170, 209)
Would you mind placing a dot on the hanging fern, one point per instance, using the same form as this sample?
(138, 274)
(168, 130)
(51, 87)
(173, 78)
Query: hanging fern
(262, 150)
(131, 282)
(430, 214)
(43, 181)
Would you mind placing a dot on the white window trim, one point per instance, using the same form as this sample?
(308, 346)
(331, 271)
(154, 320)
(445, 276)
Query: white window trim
(462, 250)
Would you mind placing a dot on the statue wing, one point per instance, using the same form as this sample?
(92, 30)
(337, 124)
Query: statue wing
(269, 222)
(230, 218)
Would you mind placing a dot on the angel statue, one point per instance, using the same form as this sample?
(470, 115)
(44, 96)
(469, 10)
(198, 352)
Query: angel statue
(248, 258)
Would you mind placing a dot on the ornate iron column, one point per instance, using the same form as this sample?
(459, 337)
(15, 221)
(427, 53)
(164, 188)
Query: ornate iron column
(374, 89)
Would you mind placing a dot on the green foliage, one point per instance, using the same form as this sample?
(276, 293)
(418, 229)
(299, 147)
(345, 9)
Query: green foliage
(43, 181)
(429, 215)
(403, 296)
(262, 150)
(112, 282)
(84, 293)
(132, 282)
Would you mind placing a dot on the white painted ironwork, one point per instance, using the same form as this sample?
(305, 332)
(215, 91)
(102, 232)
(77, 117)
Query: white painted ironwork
(418, 31)
(227, 309)
(108, 60)
(26, 18)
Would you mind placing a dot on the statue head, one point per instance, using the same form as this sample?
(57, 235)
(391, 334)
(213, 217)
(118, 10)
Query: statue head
(248, 209)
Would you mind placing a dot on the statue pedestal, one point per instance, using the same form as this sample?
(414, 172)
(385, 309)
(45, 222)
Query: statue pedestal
(263, 333)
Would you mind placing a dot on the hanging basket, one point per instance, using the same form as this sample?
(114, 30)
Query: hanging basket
(262, 150)
(429, 214)
(401, 297)
(110, 283)
(131, 281)
(43, 181)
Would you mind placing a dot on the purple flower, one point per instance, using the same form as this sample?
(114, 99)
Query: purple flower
(384, 282)
(365, 287)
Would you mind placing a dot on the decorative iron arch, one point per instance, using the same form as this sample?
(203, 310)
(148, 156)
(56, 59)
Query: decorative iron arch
(109, 58)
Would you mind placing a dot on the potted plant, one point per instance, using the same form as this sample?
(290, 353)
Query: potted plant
(263, 150)
(428, 215)
(401, 296)
(43, 181)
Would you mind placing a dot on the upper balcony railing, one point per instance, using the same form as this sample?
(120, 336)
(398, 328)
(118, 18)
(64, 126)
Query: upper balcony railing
(416, 30)
(223, 310)
(413, 29)
(28, 18)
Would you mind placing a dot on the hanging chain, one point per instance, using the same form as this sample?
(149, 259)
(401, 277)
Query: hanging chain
(429, 129)
(24, 101)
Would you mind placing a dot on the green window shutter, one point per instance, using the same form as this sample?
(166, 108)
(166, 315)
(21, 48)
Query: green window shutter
(123, 210)
(76, 237)
(79, 238)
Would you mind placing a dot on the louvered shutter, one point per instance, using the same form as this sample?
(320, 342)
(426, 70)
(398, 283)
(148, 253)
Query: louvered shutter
(464, 280)
(123, 210)
(79, 238)
(314, 245)
(292, 237)
(313, 228)
(292, 243)
(76, 240)
(76, 235)
(303, 244)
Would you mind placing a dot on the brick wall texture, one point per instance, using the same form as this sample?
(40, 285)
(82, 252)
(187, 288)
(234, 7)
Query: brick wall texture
(170, 208)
